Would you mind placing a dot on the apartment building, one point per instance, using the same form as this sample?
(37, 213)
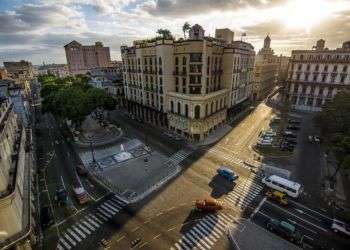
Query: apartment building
(3, 73)
(187, 85)
(15, 201)
(317, 75)
(81, 58)
(282, 69)
(265, 71)
(59, 70)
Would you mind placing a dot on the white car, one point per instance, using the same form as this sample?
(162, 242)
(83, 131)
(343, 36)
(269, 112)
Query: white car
(269, 133)
(264, 143)
(340, 227)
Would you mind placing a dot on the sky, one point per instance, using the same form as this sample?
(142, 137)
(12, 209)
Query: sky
(37, 30)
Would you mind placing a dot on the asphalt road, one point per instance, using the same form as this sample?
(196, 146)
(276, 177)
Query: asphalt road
(314, 224)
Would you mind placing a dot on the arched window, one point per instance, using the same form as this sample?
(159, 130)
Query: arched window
(160, 61)
(212, 108)
(176, 61)
(216, 105)
(184, 60)
(206, 109)
(197, 112)
(221, 104)
(179, 108)
(186, 110)
(172, 106)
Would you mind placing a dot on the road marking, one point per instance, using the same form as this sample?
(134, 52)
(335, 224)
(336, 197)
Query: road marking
(79, 231)
(183, 204)
(205, 232)
(104, 213)
(88, 225)
(156, 237)
(59, 247)
(144, 244)
(121, 238)
(286, 211)
(135, 228)
(203, 236)
(64, 186)
(170, 229)
(95, 218)
(171, 209)
(93, 222)
(303, 212)
(258, 207)
(298, 204)
(159, 213)
(65, 243)
(111, 207)
(69, 239)
(146, 221)
(264, 214)
(199, 240)
(108, 210)
(76, 237)
(84, 228)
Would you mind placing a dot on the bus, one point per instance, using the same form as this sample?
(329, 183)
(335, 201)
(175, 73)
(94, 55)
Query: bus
(291, 188)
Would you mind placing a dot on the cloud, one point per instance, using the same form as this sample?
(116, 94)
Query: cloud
(193, 7)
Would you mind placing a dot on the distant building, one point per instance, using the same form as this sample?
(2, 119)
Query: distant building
(81, 58)
(282, 69)
(265, 71)
(59, 70)
(15, 178)
(187, 86)
(316, 76)
(22, 72)
(3, 73)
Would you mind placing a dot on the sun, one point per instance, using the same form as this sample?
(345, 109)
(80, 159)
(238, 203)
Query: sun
(304, 13)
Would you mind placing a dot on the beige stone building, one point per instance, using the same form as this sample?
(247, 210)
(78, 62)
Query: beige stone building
(15, 209)
(317, 75)
(81, 58)
(265, 71)
(282, 70)
(188, 85)
(3, 74)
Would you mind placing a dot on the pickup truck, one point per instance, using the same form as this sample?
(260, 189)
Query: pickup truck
(208, 205)
(285, 230)
(227, 173)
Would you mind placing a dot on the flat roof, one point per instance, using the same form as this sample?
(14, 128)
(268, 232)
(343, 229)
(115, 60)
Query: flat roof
(284, 181)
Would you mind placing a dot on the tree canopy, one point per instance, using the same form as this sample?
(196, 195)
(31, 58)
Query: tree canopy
(334, 123)
(165, 33)
(72, 98)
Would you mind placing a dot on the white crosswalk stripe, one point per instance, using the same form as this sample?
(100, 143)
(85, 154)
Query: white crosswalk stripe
(96, 225)
(99, 214)
(75, 236)
(59, 247)
(65, 244)
(84, 228)
(205, 233)
(114, 204)
(179, 156)
(95, 218)
(66, 236)
(76, 229)
(108, 210)
(104, 213)
(111, 207)
(88, 225)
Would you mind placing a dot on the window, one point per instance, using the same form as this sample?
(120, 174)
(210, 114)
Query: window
(179, 108)
(176, 61)
(184, 61)
(299, 67)
(195, 57)
(186, 110)
(172, 106)
(197, 110)
(176, 80)
(325, 68)
(342, 79)
(335, 68)
(345, 68)
(183, 81)
(317, 67)
(206, 109)
(160, 61)
(308, 67)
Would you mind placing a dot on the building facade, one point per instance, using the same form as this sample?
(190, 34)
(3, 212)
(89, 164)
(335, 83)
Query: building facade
(265, 71)
(3, 73)
(59, 70)
(282, 70)
(187, 85)
(81, 58)
(316, 76)
(15, 208)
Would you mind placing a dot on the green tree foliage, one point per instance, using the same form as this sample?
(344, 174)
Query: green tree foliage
(72, 98)
(334, 123)
(185, 28)
(165, 33)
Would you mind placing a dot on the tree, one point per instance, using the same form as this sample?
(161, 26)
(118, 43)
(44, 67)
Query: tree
(185, 28)
(165, 33)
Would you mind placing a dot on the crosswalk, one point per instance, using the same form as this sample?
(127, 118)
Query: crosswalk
(179, 156)
(80, 230)
(228, 157)
(205, 233)
(244, 193)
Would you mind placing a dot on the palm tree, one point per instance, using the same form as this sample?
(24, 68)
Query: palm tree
(165, 33)
(185, 28)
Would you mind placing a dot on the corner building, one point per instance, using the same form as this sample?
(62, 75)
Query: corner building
(187, 86)
(316, 76)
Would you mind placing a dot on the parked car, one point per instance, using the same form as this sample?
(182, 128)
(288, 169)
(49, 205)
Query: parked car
(269, 133)
(294, 121)
(288, 133)
(340, 227)
(227, 173)
(285, 230)
(264, 143)
(293, 127)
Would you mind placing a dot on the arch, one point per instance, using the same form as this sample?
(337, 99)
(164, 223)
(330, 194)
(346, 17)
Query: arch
(186, 110)
(184, 60)
(197, 112)
(216, 105)
(206, 109)
(212, 108)
(179, 108)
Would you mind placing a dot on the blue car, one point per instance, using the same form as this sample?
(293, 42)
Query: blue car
(227, 173)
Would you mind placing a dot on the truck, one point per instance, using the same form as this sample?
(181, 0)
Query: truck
(285, 230)
(208, 205)
(227, 173)
(81, 195)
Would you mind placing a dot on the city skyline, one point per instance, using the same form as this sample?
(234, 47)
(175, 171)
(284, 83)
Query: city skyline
(28, 34)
